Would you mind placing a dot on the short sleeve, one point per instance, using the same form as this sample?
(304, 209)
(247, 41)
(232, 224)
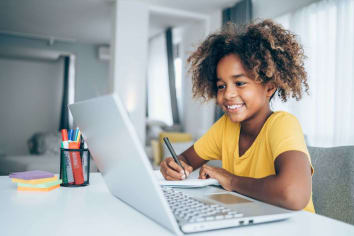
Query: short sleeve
(285, 134)
(209, 145)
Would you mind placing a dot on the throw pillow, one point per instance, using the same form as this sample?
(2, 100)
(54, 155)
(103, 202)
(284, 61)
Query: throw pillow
(44, 143)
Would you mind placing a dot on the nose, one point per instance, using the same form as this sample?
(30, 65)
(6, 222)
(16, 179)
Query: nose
(230, 92)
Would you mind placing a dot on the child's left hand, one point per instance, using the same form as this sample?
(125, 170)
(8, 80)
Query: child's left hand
(223, 176)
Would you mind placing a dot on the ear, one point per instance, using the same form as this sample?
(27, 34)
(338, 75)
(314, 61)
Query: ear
(270, 89)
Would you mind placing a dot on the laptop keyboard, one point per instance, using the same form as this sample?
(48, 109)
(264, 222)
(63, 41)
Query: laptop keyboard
(190, 210)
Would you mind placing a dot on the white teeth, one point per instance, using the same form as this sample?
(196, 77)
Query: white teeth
(234, 106)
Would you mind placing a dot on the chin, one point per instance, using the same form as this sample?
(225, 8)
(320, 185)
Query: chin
(236, 118)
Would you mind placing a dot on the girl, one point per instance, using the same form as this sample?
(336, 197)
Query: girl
(263, 153)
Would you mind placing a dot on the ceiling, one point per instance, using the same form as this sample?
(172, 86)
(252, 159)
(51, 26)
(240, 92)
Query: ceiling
(88, 21)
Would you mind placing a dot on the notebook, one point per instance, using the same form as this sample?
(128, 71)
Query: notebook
(125, 167)
(191, 182)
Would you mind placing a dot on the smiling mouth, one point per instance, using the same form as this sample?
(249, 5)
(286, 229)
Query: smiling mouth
(235, 107)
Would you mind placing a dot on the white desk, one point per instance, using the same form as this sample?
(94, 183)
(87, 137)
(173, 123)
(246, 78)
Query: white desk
(92, 210)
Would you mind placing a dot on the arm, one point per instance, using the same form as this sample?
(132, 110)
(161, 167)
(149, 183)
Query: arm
(190, 157)
(290, 187)
(190, 161)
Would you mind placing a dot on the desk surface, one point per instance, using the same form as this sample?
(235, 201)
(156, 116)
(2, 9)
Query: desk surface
(92, 210)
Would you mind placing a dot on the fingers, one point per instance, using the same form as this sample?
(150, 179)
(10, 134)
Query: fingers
(187, 168)
(205, 172)
(171, 170)
(172, 164)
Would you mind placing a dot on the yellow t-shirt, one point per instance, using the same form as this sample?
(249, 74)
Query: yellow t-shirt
(280, 133)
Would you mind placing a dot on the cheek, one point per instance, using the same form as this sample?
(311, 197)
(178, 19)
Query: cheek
(254, 96)
(219, 99)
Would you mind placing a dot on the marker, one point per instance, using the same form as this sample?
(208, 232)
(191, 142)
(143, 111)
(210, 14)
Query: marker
(64, 135)
(76, 134)
(67, 162)
(76, 163)
(173, 153)
(71, 134)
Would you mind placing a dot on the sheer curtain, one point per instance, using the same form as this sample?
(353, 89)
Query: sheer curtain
(326, 31)
(158, 89)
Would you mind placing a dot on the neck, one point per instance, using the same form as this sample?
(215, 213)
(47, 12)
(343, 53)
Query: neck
(251, 127)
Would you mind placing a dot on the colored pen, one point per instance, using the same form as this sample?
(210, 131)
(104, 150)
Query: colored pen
(64, 137)
(76, 134)
(71, 134)
(67, 163)
(173, 153)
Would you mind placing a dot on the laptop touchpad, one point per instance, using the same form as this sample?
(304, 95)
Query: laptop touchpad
(227, 198)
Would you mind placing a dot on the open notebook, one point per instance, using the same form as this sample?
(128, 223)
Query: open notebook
(191, 182)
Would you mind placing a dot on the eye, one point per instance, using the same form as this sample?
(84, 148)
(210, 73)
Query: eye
(239, 83)
(220, 87)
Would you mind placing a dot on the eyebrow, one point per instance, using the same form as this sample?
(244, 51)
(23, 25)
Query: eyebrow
(238, 76)
(234, 76)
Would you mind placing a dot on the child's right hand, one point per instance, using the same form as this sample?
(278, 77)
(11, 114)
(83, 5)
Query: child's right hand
(172, 171)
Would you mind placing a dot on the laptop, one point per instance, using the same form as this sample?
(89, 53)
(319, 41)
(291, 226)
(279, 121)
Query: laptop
(126, 169)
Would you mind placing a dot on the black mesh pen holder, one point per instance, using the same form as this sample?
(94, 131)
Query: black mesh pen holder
(74, 167)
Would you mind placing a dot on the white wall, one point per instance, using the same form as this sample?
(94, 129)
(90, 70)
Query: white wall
(198, 117)
(30, 101)
(129, 59)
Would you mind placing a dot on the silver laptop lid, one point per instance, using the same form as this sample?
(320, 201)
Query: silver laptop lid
(119, 155)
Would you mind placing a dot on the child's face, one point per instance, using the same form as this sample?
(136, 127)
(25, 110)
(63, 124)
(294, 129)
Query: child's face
(241, 97)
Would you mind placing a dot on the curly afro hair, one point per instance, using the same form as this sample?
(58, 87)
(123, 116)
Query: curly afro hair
(269, 53)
